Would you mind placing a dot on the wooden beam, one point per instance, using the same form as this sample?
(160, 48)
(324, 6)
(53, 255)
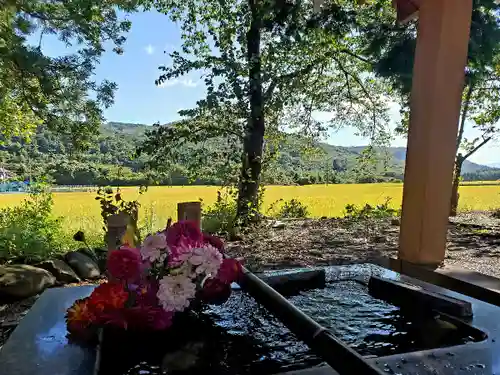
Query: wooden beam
(438, 75)
(189, 211)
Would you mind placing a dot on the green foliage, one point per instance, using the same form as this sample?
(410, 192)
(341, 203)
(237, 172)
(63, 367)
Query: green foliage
(59, 91)
(29, 230)
(291, 209)
(266, 66)
(220, 218)
(381, 211)
(112, 204)
(109, 161)
(392, 47)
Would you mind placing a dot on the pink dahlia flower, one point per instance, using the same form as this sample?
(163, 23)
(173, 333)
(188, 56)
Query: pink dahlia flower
(207, 260)
(175, 292)
(184, 231)
(124, 264)
(215, 292)
(214, 241)
(229, 271)
(153, 247)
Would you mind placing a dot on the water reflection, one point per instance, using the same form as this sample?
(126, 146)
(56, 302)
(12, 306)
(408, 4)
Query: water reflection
(48, 343)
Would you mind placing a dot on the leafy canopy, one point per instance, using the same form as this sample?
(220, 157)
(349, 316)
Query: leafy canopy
(308, 61)
(392, 47)
(59, 91)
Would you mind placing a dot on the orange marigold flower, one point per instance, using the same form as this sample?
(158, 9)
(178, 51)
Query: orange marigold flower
(108, 295)
(79, 316)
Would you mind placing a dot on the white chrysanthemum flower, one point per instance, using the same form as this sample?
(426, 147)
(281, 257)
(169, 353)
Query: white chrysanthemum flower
(152, 247)
(207, 260)
(176, 292)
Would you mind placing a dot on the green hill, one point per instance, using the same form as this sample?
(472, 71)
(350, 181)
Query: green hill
(112, 161)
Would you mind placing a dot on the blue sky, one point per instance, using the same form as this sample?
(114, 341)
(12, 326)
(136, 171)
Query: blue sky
(139, 100)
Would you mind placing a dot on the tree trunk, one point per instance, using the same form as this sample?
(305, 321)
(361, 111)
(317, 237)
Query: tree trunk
(248, 197)
(459, 161)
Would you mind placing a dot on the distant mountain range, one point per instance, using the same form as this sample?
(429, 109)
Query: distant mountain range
(399, 153)
(342, 154)
(112, 160)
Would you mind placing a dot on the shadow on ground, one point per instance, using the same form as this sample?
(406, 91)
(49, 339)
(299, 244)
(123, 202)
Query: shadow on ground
(473, 242)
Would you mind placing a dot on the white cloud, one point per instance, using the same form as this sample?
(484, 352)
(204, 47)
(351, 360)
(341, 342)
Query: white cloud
(149, 49)
(182, 82)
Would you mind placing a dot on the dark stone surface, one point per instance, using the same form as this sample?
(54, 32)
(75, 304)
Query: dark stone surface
(22, 281)
(408, 295)
(62, 271)
(38, 346)
(292, 281)
(479, 358)
(84, 266)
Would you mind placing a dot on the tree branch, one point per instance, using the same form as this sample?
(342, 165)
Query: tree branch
(356, 79)
(486, 140)
(307, 69)
(43, 17)
(465, 110)
(361, 58)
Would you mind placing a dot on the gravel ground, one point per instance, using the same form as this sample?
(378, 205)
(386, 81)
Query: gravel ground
(473, 243)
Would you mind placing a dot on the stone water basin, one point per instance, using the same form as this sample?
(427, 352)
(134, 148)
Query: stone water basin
(242, 337)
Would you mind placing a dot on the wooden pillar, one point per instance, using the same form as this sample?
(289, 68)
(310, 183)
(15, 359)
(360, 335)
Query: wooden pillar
(117, 227)
(189, 211)
(438, 76)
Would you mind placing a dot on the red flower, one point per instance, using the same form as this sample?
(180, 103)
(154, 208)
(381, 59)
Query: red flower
(124, 264)
(149, 317)
(183, 231)
(145, 294)
(80, 316)
(215, 292)
(108, 296)
(229, 271)
(114, 317)
(214, 241)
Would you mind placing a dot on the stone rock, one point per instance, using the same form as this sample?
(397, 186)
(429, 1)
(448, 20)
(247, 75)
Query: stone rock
(88, 253)
(278, 225)
(31, 260)
(396, 221)
(186, 358)
(60, 269)
(379, 239)
(22, 281)
(102, 258)
(83, 265)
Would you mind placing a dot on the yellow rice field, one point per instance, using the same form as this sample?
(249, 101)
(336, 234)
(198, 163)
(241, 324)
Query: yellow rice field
(81, 211)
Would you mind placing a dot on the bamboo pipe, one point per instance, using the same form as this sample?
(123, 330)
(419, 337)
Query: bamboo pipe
(339, 356)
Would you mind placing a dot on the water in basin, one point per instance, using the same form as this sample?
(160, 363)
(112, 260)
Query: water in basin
(242, 337)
